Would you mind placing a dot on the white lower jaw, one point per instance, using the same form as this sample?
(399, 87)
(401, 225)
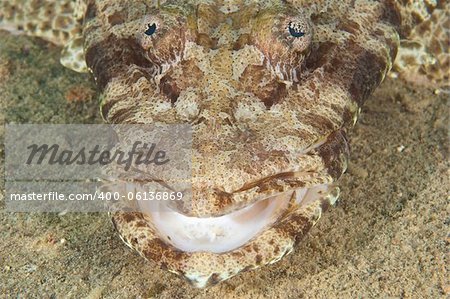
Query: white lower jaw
(227, 232)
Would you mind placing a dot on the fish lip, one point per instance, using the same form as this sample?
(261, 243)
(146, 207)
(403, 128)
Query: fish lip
(222, 233)
(203, 269)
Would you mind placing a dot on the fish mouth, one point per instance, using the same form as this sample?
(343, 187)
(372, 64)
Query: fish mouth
(260, 225)
(207, 250)
(230, 231)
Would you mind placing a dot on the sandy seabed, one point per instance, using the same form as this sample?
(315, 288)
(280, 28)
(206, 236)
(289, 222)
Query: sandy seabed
(388, 237)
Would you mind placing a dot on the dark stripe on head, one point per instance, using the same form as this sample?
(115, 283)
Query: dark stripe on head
(368, 75)
(351, 66)
(112, 57)
(334, 153)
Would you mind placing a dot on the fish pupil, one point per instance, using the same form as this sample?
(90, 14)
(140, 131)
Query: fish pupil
(295, 30)
(151, 29)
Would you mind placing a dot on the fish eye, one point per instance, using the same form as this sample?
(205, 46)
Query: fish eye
(296, 30)
(151, 29)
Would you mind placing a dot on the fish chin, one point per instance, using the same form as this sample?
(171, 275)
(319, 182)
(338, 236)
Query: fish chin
(230, 231)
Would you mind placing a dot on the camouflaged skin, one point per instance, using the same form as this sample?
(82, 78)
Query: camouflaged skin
(270, 111)
(244, 83)
(269, 116)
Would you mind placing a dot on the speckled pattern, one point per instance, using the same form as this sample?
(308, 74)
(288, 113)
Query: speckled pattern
(249, 79)
(229, 69)
(424, 56)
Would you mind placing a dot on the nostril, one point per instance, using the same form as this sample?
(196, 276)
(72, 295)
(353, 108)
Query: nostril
(169, 88)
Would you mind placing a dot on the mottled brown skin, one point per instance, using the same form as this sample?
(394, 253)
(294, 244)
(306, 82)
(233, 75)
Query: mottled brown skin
(270, 112)
(257, 114)
(333, 82)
